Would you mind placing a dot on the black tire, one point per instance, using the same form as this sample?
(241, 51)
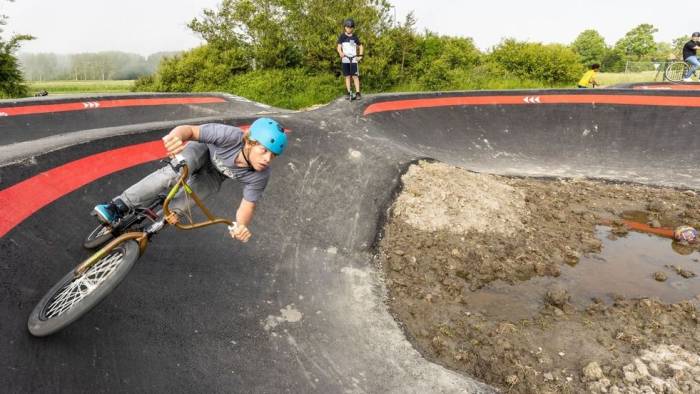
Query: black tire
(676, 71)
(52, 314)
(98, 237)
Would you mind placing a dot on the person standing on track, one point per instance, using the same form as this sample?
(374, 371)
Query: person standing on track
(350, 50)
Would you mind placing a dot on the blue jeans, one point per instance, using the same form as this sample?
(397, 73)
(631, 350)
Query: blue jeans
(694, 65)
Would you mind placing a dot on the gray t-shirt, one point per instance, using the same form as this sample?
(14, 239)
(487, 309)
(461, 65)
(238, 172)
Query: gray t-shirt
(224, 143)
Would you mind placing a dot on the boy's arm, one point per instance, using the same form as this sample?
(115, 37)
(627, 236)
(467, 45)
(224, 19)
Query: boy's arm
(361, 50)
(175, 140)
(245, 212)
(244, 216)
(339, 48)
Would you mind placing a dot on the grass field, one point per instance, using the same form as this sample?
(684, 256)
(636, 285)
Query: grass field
(74, 87)
(607, 79)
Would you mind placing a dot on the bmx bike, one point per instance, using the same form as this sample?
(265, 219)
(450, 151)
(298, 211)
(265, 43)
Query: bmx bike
(92, 280)
(675, 71)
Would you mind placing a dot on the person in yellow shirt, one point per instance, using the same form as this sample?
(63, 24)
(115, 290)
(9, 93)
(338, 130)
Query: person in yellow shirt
(589, 77)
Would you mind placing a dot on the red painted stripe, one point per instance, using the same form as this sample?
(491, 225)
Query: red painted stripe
(85, 105)
(401, 105)
(21, 200)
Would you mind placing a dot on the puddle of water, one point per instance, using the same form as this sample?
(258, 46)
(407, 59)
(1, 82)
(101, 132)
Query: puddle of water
(625, 267)
(637, 216)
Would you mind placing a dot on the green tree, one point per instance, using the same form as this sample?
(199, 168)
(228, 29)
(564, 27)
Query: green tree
(394, 52)
(441, 56)
(11, 79)
(404, 35)
(256, 26)
(664, 50)
(316, 24)
(677, 45)
(590, 46)
(289, 33)
(638, 43)
(613, 60)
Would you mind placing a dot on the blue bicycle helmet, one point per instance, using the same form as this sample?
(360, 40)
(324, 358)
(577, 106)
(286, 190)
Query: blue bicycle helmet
(270, 134)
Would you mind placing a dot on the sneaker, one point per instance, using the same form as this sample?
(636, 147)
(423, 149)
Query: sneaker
(687, 79)
(358, 96)
(353, 96)
(107, 213)
(348, 96)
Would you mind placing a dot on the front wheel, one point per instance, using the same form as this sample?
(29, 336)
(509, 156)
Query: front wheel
(72, 296)
(676, 71)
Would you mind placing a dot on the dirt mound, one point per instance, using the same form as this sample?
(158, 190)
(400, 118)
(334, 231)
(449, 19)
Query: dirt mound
(434, 199)
(452, 232)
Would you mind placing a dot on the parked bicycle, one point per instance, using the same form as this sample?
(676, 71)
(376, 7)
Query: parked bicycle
(92, 280)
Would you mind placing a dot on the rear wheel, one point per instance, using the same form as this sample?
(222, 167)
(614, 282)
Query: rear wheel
(98, 237)
(72, 296)
(675, 72)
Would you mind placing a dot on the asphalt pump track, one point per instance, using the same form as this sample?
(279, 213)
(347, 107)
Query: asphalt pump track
(301, 307)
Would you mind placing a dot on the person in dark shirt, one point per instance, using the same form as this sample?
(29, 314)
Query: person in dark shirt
(350, 50)
(690, 55)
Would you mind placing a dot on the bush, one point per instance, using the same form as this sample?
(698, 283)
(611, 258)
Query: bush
(397, 61)
(205, 68)
(289, 88)
(441, 59)
(492, 76)
(437, 76)
(553, 64)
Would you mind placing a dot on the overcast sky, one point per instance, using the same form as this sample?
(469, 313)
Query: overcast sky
(148, 26)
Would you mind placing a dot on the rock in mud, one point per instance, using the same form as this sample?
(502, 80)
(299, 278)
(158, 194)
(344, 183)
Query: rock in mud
(556, 296)
(656, 206)
(683, 272)
(660, 276)
(592, 372)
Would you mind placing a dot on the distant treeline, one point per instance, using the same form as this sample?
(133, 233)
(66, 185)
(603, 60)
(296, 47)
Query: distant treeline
(88, 66)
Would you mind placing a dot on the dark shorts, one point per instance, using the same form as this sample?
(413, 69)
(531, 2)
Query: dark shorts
(350, 69)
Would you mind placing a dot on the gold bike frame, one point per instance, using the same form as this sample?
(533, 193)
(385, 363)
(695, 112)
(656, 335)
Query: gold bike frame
(142, 237)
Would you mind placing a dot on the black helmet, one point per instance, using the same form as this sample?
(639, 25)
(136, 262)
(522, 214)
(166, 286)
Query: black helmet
(349, 23)
(696, 34)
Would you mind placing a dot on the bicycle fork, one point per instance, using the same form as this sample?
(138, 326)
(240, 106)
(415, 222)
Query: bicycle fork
(140, 237)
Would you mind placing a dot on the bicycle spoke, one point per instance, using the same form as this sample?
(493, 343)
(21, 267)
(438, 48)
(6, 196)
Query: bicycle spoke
(74, 291)
(676, 71)
(104, 230)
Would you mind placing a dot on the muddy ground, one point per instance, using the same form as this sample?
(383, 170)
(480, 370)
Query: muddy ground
(452, 233)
